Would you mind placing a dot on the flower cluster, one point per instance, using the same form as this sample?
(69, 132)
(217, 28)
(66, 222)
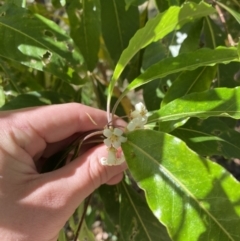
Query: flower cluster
(114, 138)
(138, 117)
(113, 142)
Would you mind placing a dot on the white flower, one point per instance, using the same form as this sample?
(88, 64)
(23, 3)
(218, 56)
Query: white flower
(115, 157)
(114, 137)
(136, 123)
(138, 117)
(140, 111)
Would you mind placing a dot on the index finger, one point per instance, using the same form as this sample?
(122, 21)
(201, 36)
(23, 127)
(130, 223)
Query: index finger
(57, 122)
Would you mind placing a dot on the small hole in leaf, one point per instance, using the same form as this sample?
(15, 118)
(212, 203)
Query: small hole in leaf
(48, 33)
(47, 57)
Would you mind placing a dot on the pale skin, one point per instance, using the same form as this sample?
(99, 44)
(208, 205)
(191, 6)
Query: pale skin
(35, 206)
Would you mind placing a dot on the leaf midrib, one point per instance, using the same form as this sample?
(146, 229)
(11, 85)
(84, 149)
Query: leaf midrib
(184, 188)
(118, 24)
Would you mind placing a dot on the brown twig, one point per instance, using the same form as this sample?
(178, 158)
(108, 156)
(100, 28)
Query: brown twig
(87, 201)
(224, 23)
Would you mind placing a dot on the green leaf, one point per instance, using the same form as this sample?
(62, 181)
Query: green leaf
(85, 23)
(116, 29)
(210, 137)
(37, 42)
(235, 14)
(193, 197)
(185, 61)
(215, 102)
(137, 222)
(190, 81)
(158, 27)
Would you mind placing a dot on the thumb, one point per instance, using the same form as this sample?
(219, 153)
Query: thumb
(74, 182)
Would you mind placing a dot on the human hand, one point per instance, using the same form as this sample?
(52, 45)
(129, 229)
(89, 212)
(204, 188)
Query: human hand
(36, 206)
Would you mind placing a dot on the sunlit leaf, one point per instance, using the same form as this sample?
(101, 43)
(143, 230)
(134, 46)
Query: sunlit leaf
(214, 102)
(158, 27)
(185, 61)
(195, 198)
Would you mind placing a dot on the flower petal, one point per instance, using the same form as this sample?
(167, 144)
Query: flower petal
(107, 142)
(117, 132)
(139, 107)
(116, 143)
(107, 132)
(122, 139)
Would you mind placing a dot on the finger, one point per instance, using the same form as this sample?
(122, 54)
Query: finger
(81, 177)
(57, 122)
(116, 179)
(33, 128)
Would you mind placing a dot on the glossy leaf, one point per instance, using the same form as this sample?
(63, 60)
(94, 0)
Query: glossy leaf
(118, 25)
(137, 222)
(214, 102)
(195, 198)
(190, 81)
(158, 27)
(84, 18)
(185, 61)
(36, 42)
(210, 137)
